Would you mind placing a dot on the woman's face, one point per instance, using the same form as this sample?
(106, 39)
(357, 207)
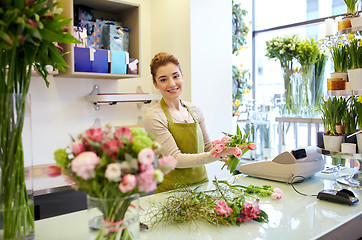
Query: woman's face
(169, 81)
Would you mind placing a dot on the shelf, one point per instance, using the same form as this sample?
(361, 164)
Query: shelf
(344, 92)
(349, 30)
(121, 11)
(98, 98)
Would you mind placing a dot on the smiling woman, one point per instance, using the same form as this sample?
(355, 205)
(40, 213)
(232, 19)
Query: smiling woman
(178, 126)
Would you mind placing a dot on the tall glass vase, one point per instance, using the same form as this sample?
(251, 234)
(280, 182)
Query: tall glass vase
(16, 182)
(307, 96)
(287, 72)
(114, 218)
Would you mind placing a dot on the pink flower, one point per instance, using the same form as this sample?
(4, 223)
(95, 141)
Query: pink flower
(276, 196)
(146, 181)
(216, 142)
(32, 23)
(77, 147)
(113, 172)
(167, 164)
(249, 212)
(279, 191)
(84, 164)
(225, 140)
(223, 209)
(124, 132)
(237, 152)
(53, 171)
(217, 150)
(111, 147)
(94, 134)
(252, 146)
(128, 183)
(146, 156)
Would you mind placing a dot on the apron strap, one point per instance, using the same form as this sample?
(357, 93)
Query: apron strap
(165, 110)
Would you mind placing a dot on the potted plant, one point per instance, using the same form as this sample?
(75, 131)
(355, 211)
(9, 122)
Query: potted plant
(354, 51)
(358, 107)
(340, 59)
(351, 12)
(29, 33)
(350, 120)
(330, 109)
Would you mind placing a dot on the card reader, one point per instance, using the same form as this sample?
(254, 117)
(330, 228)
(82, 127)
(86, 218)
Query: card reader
(343, 196)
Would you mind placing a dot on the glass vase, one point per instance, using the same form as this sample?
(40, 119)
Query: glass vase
(287, 72)
(307, 89)
(114, 218)
(16, 179)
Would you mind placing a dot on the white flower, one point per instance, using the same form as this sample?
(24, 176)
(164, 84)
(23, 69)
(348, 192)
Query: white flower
(292, 48)
(282, 51)
(113, 172)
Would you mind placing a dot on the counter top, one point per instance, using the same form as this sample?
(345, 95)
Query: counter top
(292, 217)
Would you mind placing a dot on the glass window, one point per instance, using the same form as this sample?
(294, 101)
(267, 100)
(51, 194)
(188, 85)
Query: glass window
(269, 14)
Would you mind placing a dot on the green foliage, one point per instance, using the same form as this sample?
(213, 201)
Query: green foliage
(351, 6)
(339, 57)
(30, 32)
(240, 28)
(241, 86)
(307, 51)
(319, 67)
(357, 102)
(192, 206)
(354, 50)
(283, 49)
(332, 113)
(350, 116)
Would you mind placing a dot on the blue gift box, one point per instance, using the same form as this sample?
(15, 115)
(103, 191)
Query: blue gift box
(100, 62)
(82, 61)
(119, 61)
(114, 36)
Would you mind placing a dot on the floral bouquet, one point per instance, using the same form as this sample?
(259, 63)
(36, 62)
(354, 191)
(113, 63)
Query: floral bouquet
(226, 204)
(238, 143)
(113, 163)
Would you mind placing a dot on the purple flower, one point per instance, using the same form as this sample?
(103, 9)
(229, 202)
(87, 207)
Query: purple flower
(32, 23)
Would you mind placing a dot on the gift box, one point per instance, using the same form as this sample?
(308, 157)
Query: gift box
(94, 32)
(119, 61)
(80, 34)
(82, 61)
(82, 13)
(99, 60)
(114, 36)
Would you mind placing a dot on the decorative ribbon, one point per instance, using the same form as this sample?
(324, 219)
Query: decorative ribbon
(113, 229)
(108, 223)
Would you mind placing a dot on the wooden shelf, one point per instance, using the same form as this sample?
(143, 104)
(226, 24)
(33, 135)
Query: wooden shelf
(121, 11)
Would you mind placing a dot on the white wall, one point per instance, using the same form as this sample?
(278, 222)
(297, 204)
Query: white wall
(211, 63)
(205, 56)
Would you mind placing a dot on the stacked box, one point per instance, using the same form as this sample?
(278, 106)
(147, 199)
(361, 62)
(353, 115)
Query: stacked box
(94, 33)
(82, 61)
(114, 36)
(119, 61)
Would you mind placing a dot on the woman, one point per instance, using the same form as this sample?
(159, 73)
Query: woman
(178, 126)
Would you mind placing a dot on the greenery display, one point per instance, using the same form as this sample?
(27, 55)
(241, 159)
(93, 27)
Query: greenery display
(307, 51)
(241, 86)
(354, 51)
(225, 205)
(332, 113)
(240, 27)
(350, 116)
(30, 31)
(339, 57)
(352, 7)
(319, 69)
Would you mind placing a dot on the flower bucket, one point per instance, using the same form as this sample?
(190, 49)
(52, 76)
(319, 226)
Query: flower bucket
(359, 142)
(356, 22)
(114, 219)
(332, 143)
(342, 75)
(16, 182)
(355, 78)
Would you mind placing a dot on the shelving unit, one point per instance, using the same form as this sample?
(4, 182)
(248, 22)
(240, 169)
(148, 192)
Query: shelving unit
(125, 12)
(355, 179)
(97, 98)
